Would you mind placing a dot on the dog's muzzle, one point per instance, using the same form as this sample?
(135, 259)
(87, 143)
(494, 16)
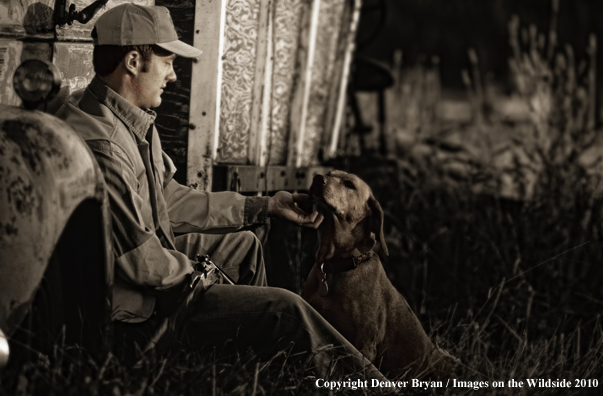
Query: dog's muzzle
(317, 191)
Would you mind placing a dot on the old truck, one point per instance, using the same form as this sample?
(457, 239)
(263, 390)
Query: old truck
(259, 111)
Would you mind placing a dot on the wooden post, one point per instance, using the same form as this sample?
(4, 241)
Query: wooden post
(205, 92)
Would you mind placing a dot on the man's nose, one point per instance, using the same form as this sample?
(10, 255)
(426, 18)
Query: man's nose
(172, 76)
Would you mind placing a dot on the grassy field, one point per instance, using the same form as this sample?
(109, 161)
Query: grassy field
(511, 289)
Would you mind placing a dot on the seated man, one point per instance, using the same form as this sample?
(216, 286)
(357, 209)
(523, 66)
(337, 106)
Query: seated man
(135, 47)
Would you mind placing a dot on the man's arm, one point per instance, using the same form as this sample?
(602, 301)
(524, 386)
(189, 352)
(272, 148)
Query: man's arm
(198, 211)
(191, 210)
(140, 256)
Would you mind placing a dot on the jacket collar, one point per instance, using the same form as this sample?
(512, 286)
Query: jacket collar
(137, 119)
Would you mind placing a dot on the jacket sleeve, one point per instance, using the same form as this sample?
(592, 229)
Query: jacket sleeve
(140, 256)
(191, 210)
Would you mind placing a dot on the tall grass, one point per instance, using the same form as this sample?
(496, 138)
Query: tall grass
(507, 279)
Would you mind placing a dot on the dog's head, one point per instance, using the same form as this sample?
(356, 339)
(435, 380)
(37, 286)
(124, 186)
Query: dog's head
(353, 216)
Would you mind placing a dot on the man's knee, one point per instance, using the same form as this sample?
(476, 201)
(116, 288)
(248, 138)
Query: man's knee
(248, 239)
(285, 301)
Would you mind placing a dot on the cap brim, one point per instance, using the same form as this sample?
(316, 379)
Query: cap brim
(181, 49)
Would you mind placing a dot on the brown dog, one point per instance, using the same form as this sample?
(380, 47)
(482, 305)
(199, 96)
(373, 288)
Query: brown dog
(349, 287)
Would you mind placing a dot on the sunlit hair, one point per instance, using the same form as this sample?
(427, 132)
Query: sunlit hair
(106, 58)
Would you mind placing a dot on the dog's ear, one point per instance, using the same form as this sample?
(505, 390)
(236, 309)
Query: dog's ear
(376, 222)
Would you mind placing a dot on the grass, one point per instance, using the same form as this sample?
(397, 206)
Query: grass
(511, 289)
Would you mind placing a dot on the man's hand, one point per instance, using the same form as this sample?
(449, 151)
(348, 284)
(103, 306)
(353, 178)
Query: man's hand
(284, 205)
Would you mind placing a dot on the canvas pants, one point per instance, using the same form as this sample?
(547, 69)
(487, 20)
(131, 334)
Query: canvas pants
(268, 319)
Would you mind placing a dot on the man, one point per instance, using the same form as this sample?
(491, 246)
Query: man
(135, 47)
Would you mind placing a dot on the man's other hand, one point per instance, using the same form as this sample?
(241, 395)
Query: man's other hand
(284, 205)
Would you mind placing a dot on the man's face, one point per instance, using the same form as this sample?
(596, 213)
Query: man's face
(149, 84)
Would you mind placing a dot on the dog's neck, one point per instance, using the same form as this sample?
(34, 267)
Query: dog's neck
(335, 266)
(341, 243)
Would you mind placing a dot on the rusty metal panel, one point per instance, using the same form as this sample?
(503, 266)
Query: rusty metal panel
(250, 179)
(287, 29)
(81, 32)
(37, 50)
(10, 58)
(327, 36)
(46, 172)
(238, 78)
(21, 18)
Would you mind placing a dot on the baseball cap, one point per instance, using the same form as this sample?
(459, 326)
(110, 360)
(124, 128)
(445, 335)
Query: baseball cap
(133, 24)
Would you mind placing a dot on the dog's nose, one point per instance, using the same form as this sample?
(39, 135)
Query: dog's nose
(319, 179)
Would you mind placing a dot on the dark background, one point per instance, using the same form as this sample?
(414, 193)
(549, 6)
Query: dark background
(448, 28)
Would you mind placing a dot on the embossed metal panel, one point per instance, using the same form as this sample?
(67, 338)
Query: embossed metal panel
(74, 61)
(287, 29)
(238, 78)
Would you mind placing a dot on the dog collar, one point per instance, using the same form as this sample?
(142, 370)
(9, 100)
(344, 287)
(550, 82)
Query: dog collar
(337, 266)
(345, 264)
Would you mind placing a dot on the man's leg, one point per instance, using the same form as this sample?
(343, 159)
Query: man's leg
(268, 318)
(264, 318)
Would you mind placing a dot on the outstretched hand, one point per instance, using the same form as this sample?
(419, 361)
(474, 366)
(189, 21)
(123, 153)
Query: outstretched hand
(284, 205)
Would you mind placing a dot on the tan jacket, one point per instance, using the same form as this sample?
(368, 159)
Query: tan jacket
(147, 205)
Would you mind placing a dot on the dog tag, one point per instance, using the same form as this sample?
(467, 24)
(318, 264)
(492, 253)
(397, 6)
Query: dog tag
(324, 288)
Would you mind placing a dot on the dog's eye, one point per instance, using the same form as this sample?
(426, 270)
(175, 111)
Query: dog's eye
(349, 185)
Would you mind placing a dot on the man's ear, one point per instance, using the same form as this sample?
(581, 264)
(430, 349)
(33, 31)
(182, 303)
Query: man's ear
(376, 222)
(133, 62)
